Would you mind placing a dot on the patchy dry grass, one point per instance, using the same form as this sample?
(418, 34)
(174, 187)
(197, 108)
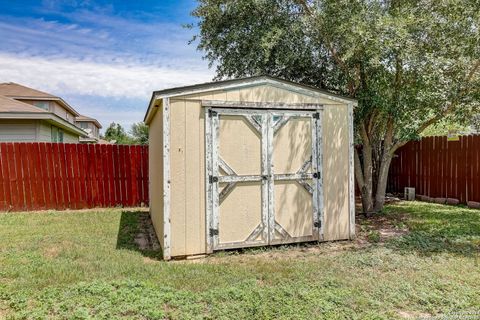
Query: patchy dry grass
(414, 260)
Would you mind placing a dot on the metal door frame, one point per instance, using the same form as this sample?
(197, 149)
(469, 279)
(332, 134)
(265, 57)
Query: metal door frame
(266, 130)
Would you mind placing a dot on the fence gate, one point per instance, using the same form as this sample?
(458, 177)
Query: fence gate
(264, 182)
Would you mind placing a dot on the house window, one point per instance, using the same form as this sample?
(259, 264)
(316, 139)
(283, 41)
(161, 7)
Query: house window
(45, 105)
(84, 125)
(54, 135)
(57, 134)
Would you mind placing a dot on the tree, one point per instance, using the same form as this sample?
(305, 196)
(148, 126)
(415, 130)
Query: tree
(139, 133)
(116, 133)
(409, 63)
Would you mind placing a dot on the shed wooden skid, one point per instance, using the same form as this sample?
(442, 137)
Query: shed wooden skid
(249, 162)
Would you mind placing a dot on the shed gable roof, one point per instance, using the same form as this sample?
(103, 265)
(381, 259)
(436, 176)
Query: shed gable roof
(243, 83)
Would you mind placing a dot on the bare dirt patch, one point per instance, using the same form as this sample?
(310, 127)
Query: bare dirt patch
(385, 226)
(369, 231)
(413, 315)
(146, 239)
(52, 252)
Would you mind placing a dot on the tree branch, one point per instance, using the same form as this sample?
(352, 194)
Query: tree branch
(334, 53)
(451, 107)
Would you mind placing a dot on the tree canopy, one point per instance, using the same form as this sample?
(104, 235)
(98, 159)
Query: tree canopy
(138, 134)
(409, 63)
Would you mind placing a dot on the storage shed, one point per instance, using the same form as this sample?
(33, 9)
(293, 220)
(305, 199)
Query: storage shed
(249, 162)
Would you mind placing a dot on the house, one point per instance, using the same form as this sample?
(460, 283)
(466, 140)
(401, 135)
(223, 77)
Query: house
(249, 162)
(29, 115)
(91, 127)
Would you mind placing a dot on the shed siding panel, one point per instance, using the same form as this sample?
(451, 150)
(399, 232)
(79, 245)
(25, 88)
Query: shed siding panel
(155, 160)
(195, 173)
(178, 181)
(201, 96)
(335, 170)
(262, 93)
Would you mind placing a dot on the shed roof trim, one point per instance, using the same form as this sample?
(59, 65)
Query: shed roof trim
(244, 82)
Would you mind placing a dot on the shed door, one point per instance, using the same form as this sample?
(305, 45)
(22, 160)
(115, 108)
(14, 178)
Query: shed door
(263, 181)
(295, 184)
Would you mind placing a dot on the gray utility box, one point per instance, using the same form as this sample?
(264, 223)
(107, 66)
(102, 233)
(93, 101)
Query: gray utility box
(409, 194)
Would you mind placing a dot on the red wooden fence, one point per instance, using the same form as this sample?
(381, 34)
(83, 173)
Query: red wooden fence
(37, 176)
(439, 168)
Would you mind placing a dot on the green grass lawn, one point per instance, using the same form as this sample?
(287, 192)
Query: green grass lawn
(85, 265)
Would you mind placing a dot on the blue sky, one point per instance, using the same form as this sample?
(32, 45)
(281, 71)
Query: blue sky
(103, 57)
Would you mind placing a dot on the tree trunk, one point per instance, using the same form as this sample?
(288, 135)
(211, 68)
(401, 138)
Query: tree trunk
(382, 180)
(364, 174)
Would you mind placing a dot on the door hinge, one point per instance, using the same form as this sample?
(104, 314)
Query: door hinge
(317, 224)
(213, 232)
(212, 113)
(212, 179)
(316, 115)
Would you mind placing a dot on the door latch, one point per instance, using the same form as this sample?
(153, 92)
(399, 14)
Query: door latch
(316, 175)
(212, 179)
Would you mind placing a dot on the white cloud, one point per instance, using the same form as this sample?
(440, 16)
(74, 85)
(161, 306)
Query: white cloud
(104, 64)
(71, 76)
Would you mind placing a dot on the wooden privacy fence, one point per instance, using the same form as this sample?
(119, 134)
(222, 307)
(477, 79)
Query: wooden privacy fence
(36, 176)
(439, 168)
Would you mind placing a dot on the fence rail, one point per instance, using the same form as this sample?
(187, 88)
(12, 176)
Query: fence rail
(38, 176)
(439, 168)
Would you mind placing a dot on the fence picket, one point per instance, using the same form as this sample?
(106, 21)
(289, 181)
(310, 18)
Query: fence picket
(439, 168)
(37, 176)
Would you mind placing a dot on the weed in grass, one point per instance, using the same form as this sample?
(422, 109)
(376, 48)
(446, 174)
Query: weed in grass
(373, 236)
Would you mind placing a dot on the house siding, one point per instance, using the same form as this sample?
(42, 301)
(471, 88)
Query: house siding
(44, 134)
(18, 130)
(55, 108)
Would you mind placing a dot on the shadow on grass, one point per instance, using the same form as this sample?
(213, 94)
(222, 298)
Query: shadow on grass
(438, 229)
(136, 233)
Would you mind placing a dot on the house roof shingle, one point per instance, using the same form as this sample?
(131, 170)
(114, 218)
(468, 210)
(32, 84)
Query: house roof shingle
(20, 92)
(11, 105)
(12, 89)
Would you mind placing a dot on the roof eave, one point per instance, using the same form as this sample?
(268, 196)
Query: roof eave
(152, 109)
(56, 99)
(244, 82)
(48, 116)
(90, 120)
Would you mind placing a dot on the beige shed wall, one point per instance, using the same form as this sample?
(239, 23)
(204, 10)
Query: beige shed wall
(187, 158)
(336, 172)
(155, 163)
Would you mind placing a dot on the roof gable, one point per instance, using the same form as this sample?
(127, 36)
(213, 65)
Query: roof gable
(11, 105)
(249, 82)
(11, 89)
(238, 84)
